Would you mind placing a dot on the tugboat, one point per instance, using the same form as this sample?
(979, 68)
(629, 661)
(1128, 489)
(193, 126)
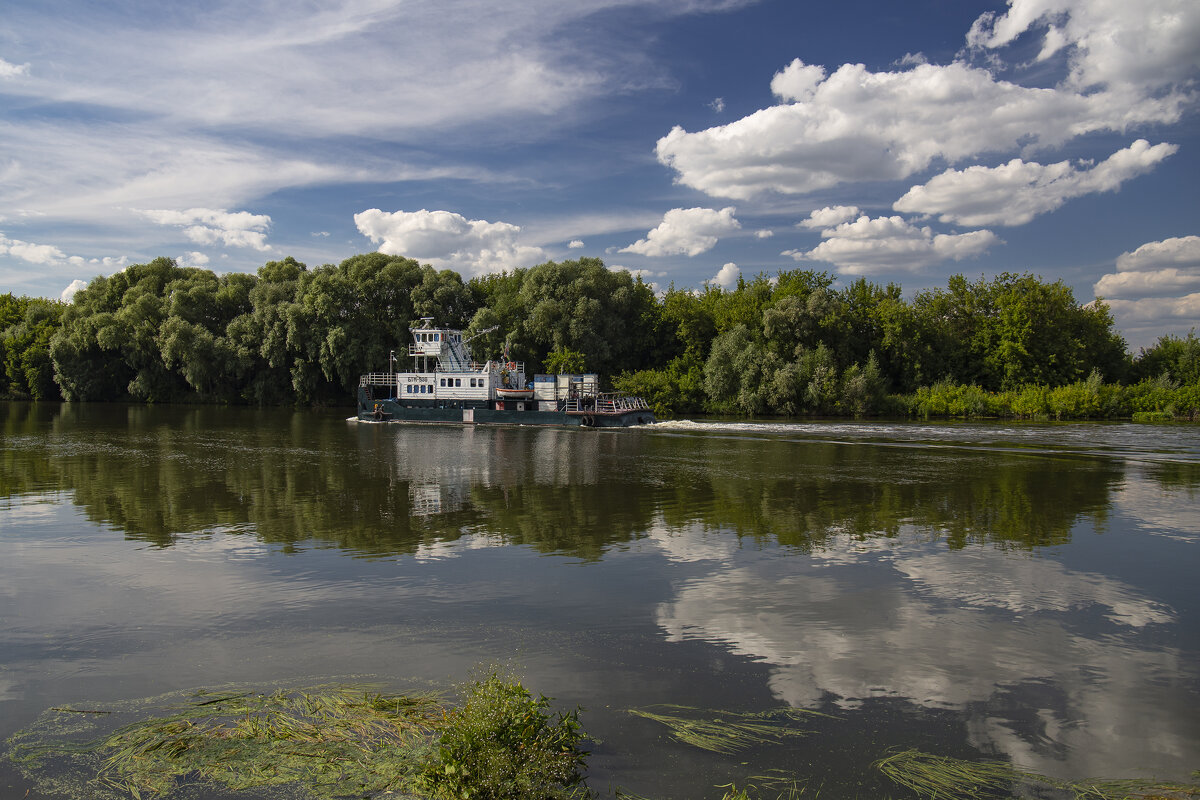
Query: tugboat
(448, 387)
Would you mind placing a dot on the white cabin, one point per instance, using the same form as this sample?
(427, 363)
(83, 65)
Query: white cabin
(445, 375)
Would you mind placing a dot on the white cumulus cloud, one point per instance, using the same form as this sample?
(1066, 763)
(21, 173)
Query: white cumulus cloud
(1016, 192)
(829, 216)
(108, 263)
(217, 226)
(192, 259)
(859, 125)
(870, 246)
(448, 240)
(1155, 269)
(689, 231)
(45, 254)
(727, 276)
(1155, 290)
(1147, 318)
(575, 244)
(1145, 45)
(68, 293)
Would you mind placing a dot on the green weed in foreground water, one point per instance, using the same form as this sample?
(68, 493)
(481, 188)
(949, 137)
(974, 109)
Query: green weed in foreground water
(322, 742)
(727, 731)
(929, 777)
(501, 743)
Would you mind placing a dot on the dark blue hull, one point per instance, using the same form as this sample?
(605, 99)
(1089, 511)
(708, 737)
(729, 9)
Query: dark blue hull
(389, 409)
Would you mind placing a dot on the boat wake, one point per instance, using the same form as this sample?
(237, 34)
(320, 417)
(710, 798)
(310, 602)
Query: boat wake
(1120, 439)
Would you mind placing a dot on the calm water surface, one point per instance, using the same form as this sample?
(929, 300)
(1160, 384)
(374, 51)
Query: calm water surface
(1025, 592)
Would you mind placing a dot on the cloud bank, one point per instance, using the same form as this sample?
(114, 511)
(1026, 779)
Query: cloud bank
(1156, 288)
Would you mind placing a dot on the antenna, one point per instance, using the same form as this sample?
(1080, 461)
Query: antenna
(481, 333)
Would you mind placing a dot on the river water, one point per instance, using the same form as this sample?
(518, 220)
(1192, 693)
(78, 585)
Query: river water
(1023, 592)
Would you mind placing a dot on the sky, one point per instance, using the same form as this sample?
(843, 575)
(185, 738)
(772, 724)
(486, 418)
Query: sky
(688, 141)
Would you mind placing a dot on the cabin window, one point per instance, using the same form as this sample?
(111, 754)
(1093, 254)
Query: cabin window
(458, 381)
(437, 337)
(443, 381)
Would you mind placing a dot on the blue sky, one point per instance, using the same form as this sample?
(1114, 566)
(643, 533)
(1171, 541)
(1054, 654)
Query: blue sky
(687, 140)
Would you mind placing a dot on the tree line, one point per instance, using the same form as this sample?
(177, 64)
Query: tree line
(789, 344)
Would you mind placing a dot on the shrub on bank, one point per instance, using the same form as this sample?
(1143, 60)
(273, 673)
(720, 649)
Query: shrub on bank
(947, 399)
(1158, 398)
(504, 743)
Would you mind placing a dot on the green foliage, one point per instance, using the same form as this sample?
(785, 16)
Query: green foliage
(948, 399)
(503, 743)
(330, 740)
(561, 361)
(609, 316)
(1013, 330)
(863, 388)
(26, 327)
(791, 344)
(1176, 358)
(677, 388)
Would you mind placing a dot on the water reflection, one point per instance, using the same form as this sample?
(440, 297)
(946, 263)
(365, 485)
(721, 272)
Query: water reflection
(1041, 659)
(970, 590)
(156, 474)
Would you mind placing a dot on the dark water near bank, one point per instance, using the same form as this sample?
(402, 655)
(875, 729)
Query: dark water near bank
(1026, 592)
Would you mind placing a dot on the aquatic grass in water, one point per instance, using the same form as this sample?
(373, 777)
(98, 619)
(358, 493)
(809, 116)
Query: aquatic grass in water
(937, 776)
(929, 776)
(323, 742)
(334, 740)
(727, 731)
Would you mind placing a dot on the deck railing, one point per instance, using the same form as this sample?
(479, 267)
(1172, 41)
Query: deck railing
(606, 404)
(618, 404)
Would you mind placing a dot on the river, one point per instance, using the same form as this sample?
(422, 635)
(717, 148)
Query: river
(1020, 592)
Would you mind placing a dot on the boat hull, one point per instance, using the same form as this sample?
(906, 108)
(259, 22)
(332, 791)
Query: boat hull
(450, 413)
